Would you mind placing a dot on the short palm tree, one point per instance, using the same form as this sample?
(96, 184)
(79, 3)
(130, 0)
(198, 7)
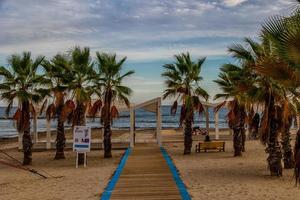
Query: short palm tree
(183, 83)
(22, 83)
(58, 73)
(109, 88)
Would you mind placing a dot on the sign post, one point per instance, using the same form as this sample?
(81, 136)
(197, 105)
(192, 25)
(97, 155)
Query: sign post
(81, 141)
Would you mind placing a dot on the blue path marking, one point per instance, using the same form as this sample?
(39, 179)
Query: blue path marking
(112, 183)
(81, 145)
(180, 185)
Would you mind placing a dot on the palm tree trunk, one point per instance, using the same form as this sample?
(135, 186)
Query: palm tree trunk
(243, 133)
(275, 155)
(107, 139)
(60, 136)
(242, 120)
(237, 141)
(188, 140)
(107, 125)
(27, 140)
(239, 136)
(288, 158)
(80, 112)
(273, 147)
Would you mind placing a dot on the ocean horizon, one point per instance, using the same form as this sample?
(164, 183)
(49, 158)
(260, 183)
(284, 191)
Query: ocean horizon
(144, 120)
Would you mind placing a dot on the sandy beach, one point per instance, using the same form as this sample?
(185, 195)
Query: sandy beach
(211, 175)
(219, 175)
(81, 183)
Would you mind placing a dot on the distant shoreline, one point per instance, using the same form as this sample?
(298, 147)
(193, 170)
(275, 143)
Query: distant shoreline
(41, 133)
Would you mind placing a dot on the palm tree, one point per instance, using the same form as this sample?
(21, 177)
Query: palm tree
(82, 74)
(288, 158)
(233, 81)
(284, 32)
(58, 73)
(109, 87)
(22, 83)
(266, 92)
(183, 82)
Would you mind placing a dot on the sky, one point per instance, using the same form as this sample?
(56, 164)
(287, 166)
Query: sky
(148, 32)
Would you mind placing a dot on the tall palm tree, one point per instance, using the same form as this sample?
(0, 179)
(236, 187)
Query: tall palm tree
(58, 73)
(109, 87)
(22, 83)
(82, 74)
(233, 81)
(284, 32)
(266, 92)
(183, 83)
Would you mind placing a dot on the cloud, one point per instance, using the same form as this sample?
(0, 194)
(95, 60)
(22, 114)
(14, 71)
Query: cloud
(232, 3)
(140, 30)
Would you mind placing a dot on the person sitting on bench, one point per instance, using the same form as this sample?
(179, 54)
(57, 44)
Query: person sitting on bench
(198, 131)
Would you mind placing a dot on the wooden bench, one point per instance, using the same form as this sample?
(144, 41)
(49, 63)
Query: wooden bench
(218, 145)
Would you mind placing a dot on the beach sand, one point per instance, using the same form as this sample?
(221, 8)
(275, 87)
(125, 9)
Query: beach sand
(219, 175)
(81, 183)
(212, 175)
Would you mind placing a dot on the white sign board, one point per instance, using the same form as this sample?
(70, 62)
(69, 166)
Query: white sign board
(82, 139)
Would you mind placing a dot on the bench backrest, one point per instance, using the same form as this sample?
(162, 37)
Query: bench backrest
(213, 144)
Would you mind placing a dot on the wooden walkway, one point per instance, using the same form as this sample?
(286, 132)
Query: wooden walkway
(146, 175)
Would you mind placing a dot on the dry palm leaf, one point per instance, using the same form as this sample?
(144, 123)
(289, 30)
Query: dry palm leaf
(286, 112)
(59, 98)
(181, 90)
(32, 110)
(95, 108)
(219, 106)
(17, 114)
(43, 106)
(174, 108)
(67, 111)
(114, 112)
(196, 102)
(201, 109)
(51, 111)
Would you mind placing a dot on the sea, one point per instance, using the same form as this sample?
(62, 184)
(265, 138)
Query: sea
(143, 120)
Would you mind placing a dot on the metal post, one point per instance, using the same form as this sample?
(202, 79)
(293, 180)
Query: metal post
(20, 140)
(158, 125)
(131, 136)
(35, 133)
(217, 125)
(48, 134)
(207, 118)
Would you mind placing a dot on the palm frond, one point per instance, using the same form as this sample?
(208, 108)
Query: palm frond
(174, 108)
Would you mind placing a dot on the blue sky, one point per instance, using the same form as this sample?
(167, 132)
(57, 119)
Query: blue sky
(148, 32)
